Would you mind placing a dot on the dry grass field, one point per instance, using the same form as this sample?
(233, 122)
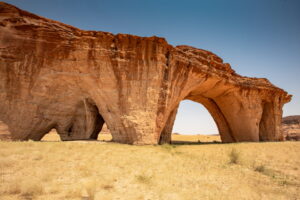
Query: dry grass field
(195, 169)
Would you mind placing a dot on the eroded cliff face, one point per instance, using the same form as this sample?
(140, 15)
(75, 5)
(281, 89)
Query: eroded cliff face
(53, 75)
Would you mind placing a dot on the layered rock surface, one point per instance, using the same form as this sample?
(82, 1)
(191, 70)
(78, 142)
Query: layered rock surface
(53, 75)
(291, 127)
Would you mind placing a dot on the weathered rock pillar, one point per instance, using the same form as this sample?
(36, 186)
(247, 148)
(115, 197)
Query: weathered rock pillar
(270, 124)
(166, 134)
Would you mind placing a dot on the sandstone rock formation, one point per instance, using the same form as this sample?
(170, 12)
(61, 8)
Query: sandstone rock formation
(4, 132)
(54, 75)
(291, 127)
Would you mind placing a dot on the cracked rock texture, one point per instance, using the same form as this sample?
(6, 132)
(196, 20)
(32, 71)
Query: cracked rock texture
(53, 75)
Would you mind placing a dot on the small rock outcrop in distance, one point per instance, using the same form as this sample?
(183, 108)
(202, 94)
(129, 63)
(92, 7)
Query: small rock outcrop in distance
(291, 127)
(53, 75)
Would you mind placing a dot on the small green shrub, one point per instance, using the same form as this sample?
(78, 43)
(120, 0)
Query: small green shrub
(264, 170)
(168, 147)
(234, 157)
(260, 168)
(143, 179)
(107, 187)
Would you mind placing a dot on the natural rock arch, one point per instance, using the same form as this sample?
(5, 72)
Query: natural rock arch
(54, 75)
(212, 109)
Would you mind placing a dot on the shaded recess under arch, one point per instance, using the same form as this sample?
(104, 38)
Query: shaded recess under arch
(85, 123)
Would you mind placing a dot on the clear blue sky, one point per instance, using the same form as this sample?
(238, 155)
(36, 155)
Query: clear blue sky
(259, 38)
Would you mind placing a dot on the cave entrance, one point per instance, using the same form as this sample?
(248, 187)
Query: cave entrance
(85, 123)
(194, 124)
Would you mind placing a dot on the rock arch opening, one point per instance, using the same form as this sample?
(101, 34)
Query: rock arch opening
(194, 119)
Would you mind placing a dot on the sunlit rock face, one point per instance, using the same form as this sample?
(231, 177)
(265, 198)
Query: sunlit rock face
(291, 127)
(54, 75)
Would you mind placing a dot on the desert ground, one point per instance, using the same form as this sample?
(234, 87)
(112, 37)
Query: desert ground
(195, 167)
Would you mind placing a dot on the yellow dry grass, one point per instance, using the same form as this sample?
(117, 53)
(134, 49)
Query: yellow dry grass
(105, 170)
